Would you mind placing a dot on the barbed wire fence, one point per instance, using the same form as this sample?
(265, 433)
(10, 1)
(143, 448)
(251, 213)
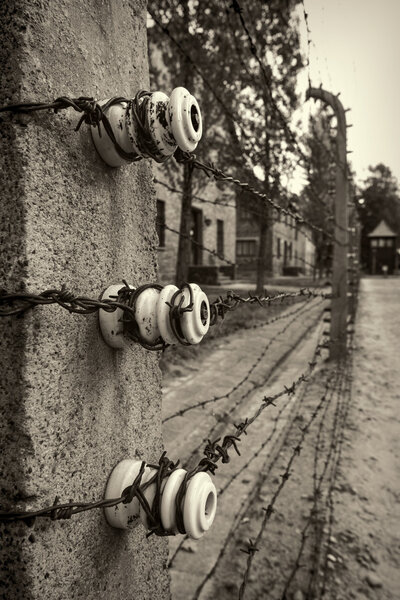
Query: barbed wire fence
(215, 451)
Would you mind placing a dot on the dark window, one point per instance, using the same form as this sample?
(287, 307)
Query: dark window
(160, 223)
(290, 251)
(246, 247)
(296, 230)
(278, 247)
(220, 236)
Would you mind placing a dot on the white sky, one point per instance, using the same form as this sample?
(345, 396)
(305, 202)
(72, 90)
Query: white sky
(355, 50)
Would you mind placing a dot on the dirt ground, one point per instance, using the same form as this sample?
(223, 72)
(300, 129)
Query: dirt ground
(335, 529)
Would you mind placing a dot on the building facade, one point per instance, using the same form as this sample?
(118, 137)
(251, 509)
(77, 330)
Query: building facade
(212, 232)
(293, 252)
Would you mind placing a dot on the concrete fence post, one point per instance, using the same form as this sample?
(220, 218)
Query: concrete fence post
(71, 407)
(338, 337)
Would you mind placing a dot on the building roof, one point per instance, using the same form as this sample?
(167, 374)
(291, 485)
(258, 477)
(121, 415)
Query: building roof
(382, 230)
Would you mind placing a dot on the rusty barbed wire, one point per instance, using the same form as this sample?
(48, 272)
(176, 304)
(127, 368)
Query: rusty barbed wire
(227, 414)
(58, 511)
(204, 403)
(17, 303)
(93, 112)
(213, 453)
(267, 80)
(219, 255)
(210, 170)
(330, 503)
(259, 449)
(243, 508)
(94, 115)
(231, 301)
(318, 481)
(219, 203)
(308, 30)
(268, 511)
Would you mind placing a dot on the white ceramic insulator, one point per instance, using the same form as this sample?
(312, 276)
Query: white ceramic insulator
(158, 123)
(146, 314)
(199, 501)
(171, 122)
(124, 474)
(116, 116)
(185, 119)
(163, 312)
(195, 323)
(168, 500)
(152, 315)
(200, 505)
(111, 325)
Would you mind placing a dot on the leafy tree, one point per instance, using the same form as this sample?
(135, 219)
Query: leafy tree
(379, 200)
(318, 195)
(246, 63)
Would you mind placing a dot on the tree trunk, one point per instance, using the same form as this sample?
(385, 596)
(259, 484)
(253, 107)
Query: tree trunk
(184, 253)
(264, 262)
(184, 246)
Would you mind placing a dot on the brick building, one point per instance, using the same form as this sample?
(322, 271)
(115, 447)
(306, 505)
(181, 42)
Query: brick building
(213, 228)
(293, 253)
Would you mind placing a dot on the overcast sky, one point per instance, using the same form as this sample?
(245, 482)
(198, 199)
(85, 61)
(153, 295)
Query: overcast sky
(355, 50)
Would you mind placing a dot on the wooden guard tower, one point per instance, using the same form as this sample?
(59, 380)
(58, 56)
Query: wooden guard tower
(382, 249)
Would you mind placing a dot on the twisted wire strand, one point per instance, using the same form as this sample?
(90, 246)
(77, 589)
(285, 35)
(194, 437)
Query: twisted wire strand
(94, 114)
(232, 301)
(221, 256)
(274, 219)
(210, 170)
(214, 451)
(203, 403)
(268, 511)
(63, 511)
(227, 415)
(319, 481)
(330, 504)
(16, 303)
(243, 509)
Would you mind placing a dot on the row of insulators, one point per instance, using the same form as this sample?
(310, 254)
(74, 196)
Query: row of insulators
(169, 123)
(199, 501)
(153, 315)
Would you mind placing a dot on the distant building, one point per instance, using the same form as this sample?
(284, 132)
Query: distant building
(293, 252)
(213, 231)
(382, 249)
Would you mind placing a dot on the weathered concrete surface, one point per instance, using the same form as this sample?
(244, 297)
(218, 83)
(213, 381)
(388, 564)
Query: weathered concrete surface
(291, 351)
(71, 407)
